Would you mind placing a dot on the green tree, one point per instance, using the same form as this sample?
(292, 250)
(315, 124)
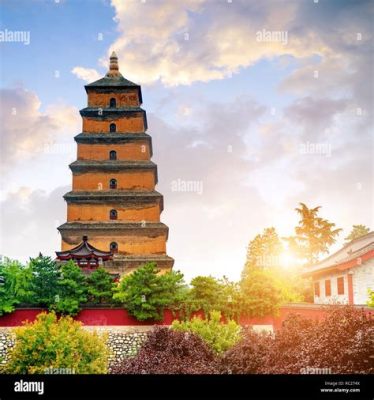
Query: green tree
(15, 285)
(371, 298)
(100, 286)
(313, 235)
(57, 343)
(261, 294)
(44, 282)
(356, 232)
(71, 289)
(145, 294)
(263, 251)
(218, 335)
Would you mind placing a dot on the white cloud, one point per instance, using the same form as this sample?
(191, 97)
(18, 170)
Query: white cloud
(86, 74)
(26, 130)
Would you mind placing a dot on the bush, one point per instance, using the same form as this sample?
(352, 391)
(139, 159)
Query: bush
(145, 294)
(343, 342)
(52, 343)
(219, 336)
(170, 352)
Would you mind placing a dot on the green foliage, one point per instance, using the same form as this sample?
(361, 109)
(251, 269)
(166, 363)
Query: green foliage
(52, 343)
(145, 294)
(261, 293)
(218, 335)
(208, 293)
(356, 232)
(16, 285)
(100, 286)
(44, 281)
(313, 235)
(371, 298)
(263, 251)
(71, 289)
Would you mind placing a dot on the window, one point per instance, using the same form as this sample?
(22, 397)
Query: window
(112, 103)
(340, 284)
(316, 289)
(113, 184)
(112, 128)
(113, 214)
(327, 287)
(113, 155)
(114, 247)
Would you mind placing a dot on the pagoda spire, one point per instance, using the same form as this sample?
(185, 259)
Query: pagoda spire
(113, 66)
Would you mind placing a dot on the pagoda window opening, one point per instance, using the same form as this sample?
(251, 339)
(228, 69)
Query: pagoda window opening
(113, 214)
(113, 184)
(112, 103)
(112, 128)
(114, 247)
(113, 155)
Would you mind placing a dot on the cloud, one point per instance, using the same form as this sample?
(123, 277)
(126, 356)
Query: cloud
(26, 130)
(86, 74)
(29, 220)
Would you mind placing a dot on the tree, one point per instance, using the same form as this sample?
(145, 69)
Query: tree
(71, 289)
(356, 232)
(170, 352)
(145, 294)
(100, 286)
(260, 293)
(313, 235)
(263, 251)
(44, 281)
(371, 298)
(15, 286)
(59, 344)
(220, 336)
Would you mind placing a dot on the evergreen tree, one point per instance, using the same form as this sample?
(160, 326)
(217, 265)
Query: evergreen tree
(356, 232)
(71, 289)
(313, 235)
(44, 282)
(263, 251)
(145, 294)
(100, 286)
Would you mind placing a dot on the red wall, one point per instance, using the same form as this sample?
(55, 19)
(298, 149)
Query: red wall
(118, 316)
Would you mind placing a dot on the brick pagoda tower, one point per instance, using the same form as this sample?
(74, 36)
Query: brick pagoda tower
(113, 202)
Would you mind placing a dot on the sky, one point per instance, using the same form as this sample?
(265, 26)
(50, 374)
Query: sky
(261, 104)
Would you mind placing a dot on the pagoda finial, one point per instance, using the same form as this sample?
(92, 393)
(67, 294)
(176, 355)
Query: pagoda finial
(113, 66)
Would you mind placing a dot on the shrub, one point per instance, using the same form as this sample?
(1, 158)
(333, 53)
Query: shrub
(71, 290)
(52, 343)
(100, 286)
(218, 335)
(170, 352)
(343, 342)
(371, 298)
(145, 294)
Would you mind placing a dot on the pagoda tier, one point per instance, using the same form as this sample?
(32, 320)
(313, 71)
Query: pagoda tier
(113, 199)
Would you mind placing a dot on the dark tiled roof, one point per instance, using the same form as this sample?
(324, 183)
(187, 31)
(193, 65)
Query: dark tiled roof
(84, 249)
(119, 81)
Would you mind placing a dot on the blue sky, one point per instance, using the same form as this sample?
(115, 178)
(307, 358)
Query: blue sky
(223, 109)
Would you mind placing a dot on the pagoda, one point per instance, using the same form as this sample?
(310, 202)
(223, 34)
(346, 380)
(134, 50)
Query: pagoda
(113, 203)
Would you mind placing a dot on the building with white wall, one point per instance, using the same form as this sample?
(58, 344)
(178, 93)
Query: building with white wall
(346, 276)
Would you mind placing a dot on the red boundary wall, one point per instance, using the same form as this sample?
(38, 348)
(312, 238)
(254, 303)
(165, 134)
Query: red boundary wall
(120, 317)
